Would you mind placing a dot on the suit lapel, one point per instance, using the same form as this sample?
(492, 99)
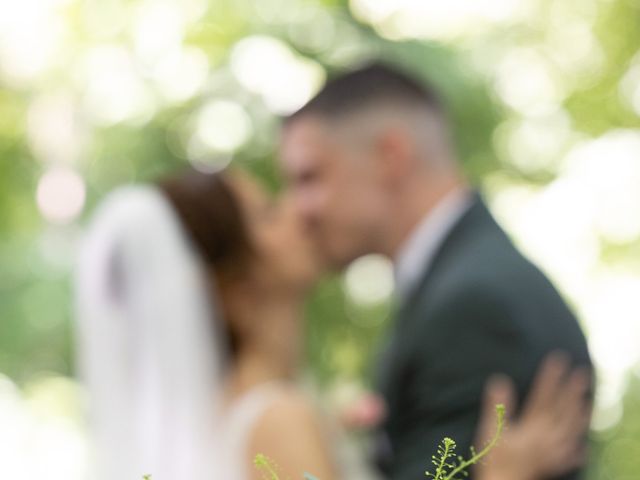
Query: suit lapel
(392, 358)
(476, 211)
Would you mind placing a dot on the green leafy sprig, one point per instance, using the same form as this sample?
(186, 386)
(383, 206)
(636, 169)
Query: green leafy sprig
(449, 466)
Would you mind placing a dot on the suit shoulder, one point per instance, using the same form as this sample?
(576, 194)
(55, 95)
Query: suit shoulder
(488, 278)
(491, 263)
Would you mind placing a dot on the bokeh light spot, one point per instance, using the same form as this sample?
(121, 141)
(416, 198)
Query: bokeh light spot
(369, 280)
(60, 195)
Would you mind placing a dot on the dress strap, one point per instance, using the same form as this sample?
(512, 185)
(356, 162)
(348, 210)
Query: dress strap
(241, 418)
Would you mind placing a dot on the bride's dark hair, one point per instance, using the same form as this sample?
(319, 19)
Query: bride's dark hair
(212, 216)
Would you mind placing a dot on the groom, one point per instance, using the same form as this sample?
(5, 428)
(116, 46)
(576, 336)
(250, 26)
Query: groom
(371, 165)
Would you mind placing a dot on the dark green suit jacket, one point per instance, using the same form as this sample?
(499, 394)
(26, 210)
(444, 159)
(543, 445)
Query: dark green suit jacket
(481, 308)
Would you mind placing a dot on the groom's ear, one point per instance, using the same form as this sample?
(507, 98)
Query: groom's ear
(394, 154)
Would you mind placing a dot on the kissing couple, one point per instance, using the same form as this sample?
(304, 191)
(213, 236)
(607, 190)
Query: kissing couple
(190, 295)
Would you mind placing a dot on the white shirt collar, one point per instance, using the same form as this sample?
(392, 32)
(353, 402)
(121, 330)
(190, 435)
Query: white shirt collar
(416, 255)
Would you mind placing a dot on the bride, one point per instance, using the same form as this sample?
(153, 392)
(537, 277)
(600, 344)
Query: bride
(190, 297)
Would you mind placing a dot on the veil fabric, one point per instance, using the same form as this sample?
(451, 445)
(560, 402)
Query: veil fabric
(149, 349)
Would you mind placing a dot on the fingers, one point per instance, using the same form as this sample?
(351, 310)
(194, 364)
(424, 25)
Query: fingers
(557, 405)
(562, 456)
(546, 384)
(573, 416)
(571, 409)
(580, 453)
(499, 389)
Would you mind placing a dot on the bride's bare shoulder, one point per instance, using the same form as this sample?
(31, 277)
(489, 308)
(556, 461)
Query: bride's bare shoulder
(290, 432)
(290, 414)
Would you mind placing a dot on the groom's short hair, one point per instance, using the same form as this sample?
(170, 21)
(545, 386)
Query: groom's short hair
(371, 85)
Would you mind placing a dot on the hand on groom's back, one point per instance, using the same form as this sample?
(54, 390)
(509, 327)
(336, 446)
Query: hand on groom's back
(548, 438)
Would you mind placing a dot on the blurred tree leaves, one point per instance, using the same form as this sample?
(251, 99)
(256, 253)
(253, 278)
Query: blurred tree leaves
(600, 106)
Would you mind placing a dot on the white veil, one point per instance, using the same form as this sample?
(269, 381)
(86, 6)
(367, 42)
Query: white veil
(150, 352)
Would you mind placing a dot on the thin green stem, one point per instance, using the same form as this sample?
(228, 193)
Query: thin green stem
(500, 411)
(448, 444)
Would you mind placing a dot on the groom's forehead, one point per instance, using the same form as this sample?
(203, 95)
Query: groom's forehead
(309, 129)
(306, 141)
